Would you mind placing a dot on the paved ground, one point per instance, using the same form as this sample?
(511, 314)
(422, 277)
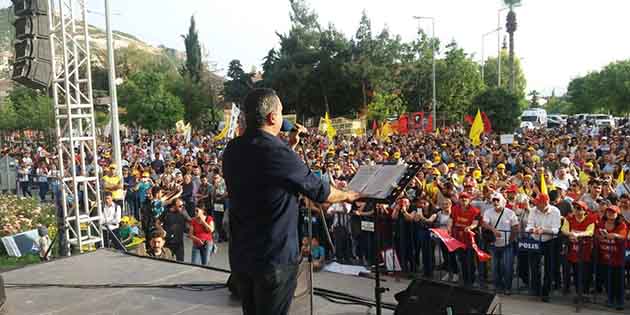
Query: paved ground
(515, 304)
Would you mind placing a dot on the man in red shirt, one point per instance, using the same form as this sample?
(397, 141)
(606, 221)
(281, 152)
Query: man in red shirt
(465, 220)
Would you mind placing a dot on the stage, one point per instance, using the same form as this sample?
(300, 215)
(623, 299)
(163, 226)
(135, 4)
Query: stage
(108, 267)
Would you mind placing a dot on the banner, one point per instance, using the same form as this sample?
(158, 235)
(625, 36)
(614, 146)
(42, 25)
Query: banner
(403, 124)
(417, 120)
(344, 126)
(451, 243)
(507, 139)
(236, 113)
(481, 255)
(529, 245)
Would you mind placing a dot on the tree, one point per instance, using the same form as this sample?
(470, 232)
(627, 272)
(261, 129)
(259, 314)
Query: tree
(460, 82)
(239, 84)
(606, 91)
(384, 106)
(511, 29)
(491, 73)
(535, 101)
(34, 110)
(501, 106)
(8, 116)
(149, 102)
(194, 62)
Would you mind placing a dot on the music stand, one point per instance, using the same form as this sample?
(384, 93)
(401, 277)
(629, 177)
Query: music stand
(381, 184)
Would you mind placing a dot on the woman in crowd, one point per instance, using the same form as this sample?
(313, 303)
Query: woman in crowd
(611, 236)
(200, 232)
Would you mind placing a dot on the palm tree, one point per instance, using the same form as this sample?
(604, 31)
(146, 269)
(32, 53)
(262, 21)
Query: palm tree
(511, 28)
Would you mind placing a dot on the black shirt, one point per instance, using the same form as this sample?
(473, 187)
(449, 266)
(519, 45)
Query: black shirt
(263, 177)
(174, 223)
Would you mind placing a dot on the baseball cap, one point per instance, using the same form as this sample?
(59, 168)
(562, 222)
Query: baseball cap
(565, 160)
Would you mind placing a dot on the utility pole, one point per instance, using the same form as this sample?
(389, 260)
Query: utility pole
(112, 91)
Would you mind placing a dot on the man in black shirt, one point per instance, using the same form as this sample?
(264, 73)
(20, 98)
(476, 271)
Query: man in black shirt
(264, 177)
(174, 222)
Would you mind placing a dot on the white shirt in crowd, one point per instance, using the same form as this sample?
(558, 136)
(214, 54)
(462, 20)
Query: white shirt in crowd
(563, 184)
(549, 221)
(111, 216)
(508, 220)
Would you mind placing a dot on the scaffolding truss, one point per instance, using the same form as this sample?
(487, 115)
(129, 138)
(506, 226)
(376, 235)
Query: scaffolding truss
(75, 124)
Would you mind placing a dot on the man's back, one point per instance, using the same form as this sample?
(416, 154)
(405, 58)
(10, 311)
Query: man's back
(263, 178)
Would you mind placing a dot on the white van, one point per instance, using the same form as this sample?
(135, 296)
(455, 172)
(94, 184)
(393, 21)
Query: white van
(534, 118)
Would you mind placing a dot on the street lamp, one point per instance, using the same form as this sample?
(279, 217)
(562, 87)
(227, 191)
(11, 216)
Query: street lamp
(116, 149)
(483, 43)
(433, 60)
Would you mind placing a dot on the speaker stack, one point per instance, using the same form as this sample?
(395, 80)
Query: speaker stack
(431, 297)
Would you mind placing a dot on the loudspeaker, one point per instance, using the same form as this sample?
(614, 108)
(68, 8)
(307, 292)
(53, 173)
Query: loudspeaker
(32, 73)
(30, 7)
(34, 49)
(32, 26)
(3, 295)
(431, 297)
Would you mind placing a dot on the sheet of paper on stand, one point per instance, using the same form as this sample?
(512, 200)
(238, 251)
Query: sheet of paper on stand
(375, 181)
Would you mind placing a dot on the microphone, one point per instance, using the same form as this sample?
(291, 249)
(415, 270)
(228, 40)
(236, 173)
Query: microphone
(288, 126)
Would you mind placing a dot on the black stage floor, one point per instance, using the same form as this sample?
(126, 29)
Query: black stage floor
(107, 267)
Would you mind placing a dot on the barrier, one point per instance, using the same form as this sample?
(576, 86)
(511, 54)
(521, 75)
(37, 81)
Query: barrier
(539, 265)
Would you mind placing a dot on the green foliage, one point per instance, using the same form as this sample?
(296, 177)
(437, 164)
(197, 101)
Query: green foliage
(149, 101)
(535, 99)
(8, 116)
(602, 91)
(238, 84)
(198, 101)
(559, 105)
(33, 110)
(384, 106)
(194, 63)
(501, 106)
(460, 82)
(317, 69)
(491, 70)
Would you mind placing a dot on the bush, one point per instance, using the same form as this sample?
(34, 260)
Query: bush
(19, 214)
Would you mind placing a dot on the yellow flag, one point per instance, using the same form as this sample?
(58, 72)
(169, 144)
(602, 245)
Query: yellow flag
(621, 178)
(543, 185)
(437, 131)
(386, 131)
(331, 132)
(476, 129)
(222, 134)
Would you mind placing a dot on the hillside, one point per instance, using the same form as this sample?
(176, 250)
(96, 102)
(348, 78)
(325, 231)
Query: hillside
(98, 41)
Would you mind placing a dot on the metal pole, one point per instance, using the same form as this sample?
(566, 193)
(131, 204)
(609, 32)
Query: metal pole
(434, 96)
(112, 90)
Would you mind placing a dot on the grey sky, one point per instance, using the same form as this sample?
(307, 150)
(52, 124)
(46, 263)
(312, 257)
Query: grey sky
(556, 39)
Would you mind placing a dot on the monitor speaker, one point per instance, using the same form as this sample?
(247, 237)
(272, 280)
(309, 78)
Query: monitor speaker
(432, 297)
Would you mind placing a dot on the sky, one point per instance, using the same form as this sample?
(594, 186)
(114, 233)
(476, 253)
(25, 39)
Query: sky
(557, 40)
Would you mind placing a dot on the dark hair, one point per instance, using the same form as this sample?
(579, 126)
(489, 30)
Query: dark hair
(258, 104)
(158, 233)
(108, 194)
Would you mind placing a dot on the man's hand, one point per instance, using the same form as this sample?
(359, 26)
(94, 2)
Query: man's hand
(294, 135)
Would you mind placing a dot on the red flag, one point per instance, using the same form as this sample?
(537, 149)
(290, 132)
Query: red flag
(481, 255)
(374, 125)
(403, 124)
(487, 127)
(418, 120)
(429, 126)
(469, 119)
(451, 243)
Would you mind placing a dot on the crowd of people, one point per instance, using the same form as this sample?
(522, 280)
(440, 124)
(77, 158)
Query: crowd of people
(574, 235)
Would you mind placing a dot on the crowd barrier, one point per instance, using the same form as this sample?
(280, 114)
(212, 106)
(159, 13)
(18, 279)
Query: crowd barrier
(547, 265)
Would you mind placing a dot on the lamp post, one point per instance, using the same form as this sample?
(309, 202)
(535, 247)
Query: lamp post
(483, 44)
(112, 91)
(433, 60)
